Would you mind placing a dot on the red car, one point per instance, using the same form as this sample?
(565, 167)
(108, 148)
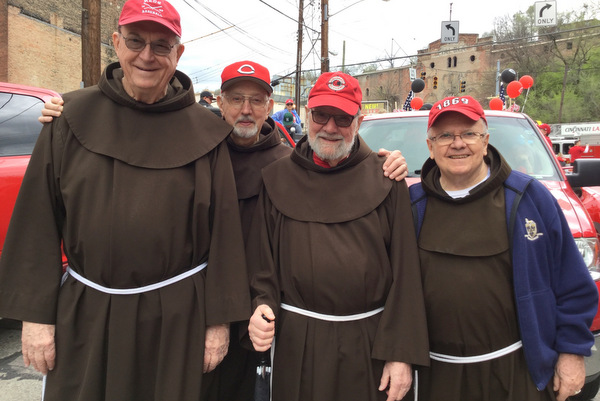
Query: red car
(20, 107)
(516, 136)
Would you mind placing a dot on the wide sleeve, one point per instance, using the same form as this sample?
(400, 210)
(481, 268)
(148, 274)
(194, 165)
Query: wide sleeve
(402, 332)
(227, 296)
(31, 267)
(263, 274)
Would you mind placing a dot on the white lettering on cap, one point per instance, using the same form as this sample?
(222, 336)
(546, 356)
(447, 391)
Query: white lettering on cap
(246, 69)
(150, 9)
(336, 83)
(452, 102)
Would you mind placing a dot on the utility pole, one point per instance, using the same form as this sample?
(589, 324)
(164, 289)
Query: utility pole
(344, 57)
(4, 41)
(299, 54)
(90, 42)
(324, 36)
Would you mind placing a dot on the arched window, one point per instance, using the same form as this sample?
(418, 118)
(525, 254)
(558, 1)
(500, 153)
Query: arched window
(455, 61)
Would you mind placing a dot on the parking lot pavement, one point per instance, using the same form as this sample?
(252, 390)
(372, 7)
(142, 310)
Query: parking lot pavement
(17, 383)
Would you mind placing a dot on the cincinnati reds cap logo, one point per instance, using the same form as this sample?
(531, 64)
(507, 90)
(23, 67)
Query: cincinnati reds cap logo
(246, 69)
(336, 83)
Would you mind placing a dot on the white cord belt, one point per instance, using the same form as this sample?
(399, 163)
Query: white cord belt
(138, 290)
(331, 318)
(477, 358)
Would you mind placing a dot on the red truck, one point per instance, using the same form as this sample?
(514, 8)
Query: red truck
(20, 107)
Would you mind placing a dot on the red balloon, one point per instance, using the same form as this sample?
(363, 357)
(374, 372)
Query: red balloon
(496, 104)
(526, 81)
(514, 89)
(416, 103)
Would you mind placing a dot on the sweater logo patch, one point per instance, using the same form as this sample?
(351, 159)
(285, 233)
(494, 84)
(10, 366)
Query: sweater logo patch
(532, 233)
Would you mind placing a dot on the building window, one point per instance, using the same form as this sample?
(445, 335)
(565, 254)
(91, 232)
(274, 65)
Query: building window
(432, 65)
(454, 61)
(367, 92)
(472, 58)
(449, 62)
(569, 45)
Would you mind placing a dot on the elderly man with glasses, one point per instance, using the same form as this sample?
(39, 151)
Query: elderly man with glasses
(135, 181)
(508, 296)
(333, 263)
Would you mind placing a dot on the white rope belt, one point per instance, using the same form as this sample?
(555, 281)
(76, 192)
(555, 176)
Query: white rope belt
(331, 318)
(138, 290)
(477, 358)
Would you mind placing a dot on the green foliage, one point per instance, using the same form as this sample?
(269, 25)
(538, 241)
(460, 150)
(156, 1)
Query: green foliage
(580, 103)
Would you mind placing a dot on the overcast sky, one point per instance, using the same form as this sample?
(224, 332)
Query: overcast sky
(219, 32)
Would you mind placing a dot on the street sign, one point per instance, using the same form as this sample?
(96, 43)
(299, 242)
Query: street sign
(545, 13)
(449, 31)
(412, 74)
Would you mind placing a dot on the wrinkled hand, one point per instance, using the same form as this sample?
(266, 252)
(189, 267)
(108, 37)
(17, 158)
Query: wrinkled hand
(262, 332)
(569, 375)
(38, 346)
(215, 346)
(52, 108)
(397, 379)
(395, 167)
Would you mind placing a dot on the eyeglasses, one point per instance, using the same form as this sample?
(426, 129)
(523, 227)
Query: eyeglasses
(158, 47)
(256, 102)
(470, 138)
(341, 120)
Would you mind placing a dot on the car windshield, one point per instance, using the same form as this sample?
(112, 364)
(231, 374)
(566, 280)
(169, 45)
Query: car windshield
(19, 126)
(515, 138)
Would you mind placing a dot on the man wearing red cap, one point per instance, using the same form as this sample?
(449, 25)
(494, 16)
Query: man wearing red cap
(508, 297)
(254, 143)
(545, 129)
(135, 181)
(334, 263)
(289, 108)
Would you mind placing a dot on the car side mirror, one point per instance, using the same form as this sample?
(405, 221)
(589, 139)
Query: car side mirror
(586, 173)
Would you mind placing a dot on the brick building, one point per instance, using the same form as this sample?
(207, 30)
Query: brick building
(445, 68)
(40, 41)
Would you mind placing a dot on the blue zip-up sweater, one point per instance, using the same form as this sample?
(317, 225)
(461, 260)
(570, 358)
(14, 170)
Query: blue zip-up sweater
(555, 295)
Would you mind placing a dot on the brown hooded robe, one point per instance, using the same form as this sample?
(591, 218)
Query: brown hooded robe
(138, 193)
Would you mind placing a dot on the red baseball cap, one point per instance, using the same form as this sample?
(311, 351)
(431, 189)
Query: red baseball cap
(338, 90)
(158, 11)
(465, 105)
(246, 71)
(546, 128)
(289, 101)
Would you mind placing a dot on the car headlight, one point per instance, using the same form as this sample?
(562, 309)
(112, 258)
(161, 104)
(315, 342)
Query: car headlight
(590, 251)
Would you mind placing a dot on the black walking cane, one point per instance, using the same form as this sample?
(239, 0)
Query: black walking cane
(262, 387)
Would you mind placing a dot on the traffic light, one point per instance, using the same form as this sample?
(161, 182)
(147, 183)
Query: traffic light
(435, 82)
(463, 85)
(423, 74)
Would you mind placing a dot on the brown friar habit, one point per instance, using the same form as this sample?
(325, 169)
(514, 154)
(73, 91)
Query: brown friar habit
(234, 378)
(467, 281)
(138, 193)
(336, 241)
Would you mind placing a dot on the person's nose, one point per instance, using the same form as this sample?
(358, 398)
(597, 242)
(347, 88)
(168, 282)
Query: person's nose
(147, 53)
(457, 142)
(330, 127)
(246, 106)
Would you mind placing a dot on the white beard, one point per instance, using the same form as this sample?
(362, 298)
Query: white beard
(245, 132)
(327, 152)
